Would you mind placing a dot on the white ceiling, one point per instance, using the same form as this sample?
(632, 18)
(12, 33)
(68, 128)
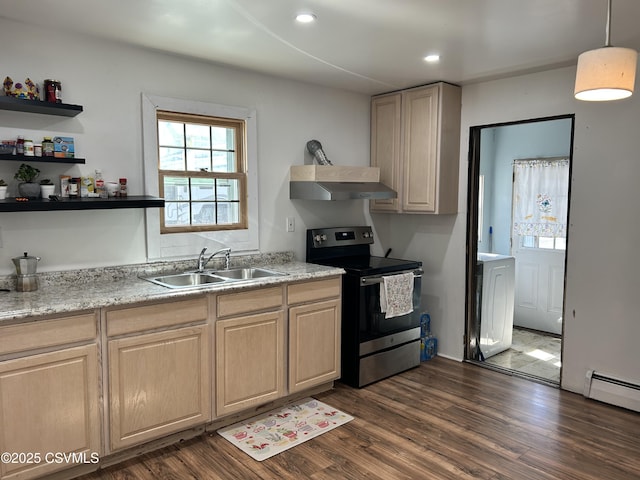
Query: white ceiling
(368, 46)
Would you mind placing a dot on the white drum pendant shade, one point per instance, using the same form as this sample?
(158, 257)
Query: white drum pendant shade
(608, 73)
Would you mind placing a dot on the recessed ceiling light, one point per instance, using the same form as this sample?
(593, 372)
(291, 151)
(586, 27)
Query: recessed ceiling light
(306, 17)
(432, 58)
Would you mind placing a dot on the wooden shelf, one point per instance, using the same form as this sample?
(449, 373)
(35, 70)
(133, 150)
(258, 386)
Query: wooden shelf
(41, 205)
(24, 159)
(36, 106)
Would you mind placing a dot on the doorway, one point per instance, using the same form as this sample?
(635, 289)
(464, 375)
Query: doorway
(516, 255)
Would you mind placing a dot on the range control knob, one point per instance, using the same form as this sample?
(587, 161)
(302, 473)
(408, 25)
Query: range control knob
(367, 235)
(320, 238)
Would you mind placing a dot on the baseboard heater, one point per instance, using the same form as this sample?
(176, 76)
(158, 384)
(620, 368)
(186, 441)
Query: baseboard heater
(612, 390)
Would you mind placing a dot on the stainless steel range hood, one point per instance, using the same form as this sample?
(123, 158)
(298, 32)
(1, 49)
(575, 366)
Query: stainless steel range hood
(339, 190)
(320, 182)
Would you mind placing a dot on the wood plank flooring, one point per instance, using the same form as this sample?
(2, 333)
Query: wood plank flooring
(442, 420)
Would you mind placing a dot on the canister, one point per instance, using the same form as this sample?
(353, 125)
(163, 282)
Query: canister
(53, 91)
(28, 148)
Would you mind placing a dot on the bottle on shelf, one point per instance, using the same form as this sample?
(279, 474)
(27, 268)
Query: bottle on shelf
(20, 145)
(122, 192)
(100, 187)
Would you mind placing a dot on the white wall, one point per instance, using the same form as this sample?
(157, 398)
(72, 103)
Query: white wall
(601, 322)
(108, 79)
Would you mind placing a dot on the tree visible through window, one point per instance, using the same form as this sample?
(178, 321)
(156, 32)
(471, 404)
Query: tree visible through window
(202, 172)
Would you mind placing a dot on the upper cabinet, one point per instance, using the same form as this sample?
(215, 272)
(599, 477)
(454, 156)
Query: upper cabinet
(415, 141)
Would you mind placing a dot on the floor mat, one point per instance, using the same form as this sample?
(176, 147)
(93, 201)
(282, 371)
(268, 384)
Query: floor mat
(274, 432)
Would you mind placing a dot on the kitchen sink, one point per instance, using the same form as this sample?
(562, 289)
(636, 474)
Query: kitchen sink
(184, 280)
(202, 279)
(247, 273)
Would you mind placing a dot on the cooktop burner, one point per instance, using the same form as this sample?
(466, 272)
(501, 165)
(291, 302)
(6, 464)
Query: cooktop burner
(370, 265)
(348, 248)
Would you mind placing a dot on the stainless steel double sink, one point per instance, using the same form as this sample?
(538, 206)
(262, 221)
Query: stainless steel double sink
(206, 278)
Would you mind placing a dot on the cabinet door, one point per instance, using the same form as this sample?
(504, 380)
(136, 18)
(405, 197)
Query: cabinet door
(314, 344)
(249, 361)
(385, 147)
(419, 149)
(49, 404)
(158, 384)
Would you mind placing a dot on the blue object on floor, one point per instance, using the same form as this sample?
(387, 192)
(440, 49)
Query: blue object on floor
(428, 343)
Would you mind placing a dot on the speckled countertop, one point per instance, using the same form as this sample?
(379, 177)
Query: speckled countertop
(67, 291)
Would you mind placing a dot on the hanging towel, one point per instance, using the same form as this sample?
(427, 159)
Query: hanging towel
(396, 294)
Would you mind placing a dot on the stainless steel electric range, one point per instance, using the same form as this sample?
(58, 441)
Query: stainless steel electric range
(373, 347)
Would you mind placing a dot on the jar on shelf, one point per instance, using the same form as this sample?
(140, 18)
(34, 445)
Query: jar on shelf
(74, 187)
(53, 91)
(47, 147)
(28, 148)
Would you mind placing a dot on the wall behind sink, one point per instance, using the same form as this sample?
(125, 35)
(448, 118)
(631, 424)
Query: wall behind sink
(107, 79)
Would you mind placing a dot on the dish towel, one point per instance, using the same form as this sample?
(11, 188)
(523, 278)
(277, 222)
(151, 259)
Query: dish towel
(396, 295)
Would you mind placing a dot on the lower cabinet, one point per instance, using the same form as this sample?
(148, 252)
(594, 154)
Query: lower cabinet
(49, 407)
(314, 333)
(159, 383)
(157, 369)
(249, 350)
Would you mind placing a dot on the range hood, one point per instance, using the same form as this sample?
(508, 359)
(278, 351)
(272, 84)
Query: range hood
(320, 182)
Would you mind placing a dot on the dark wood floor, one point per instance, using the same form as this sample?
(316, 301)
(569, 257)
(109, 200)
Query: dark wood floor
(443, 420)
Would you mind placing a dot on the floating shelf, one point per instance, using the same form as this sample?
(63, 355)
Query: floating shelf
(41, 205)
(23, 158)
(36, 106)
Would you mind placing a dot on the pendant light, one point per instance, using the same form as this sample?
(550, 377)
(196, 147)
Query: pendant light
(608, 73)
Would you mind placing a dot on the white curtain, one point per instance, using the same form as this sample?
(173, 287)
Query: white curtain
(540, 199)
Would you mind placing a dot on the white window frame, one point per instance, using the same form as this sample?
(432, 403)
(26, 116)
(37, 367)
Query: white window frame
(172, 246)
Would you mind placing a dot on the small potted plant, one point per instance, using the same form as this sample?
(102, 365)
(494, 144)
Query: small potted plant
(3, 189)
(46, 187)
(27, 187)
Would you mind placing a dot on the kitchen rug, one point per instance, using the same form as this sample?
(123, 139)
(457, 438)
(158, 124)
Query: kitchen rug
(274, 432)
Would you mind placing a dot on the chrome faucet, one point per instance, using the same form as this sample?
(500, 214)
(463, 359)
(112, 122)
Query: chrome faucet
(202, 262)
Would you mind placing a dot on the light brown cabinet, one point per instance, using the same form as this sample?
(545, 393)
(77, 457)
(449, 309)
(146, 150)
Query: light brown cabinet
(249, 338)
(415, 141)
(159, 382)
(49, 402)
(314, 333)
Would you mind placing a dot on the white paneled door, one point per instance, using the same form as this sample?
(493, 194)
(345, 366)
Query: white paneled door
(540, 205)
(539, 287)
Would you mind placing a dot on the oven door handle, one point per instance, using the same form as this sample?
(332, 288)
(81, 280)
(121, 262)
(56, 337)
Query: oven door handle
(373, 279)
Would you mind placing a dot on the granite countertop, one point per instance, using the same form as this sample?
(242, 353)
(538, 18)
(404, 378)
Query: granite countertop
(61, 292)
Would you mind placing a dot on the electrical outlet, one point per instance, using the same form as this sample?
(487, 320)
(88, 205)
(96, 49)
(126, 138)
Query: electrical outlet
(291, 224)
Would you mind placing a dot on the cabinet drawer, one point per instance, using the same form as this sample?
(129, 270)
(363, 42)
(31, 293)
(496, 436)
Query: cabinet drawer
(315, 290)
(47, 333)
(252, 301)
(157, 315)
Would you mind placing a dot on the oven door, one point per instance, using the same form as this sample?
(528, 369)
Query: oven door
(373, 323)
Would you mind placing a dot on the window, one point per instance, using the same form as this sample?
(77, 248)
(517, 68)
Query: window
(202, 172)
(547, 243)
(202, 159)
